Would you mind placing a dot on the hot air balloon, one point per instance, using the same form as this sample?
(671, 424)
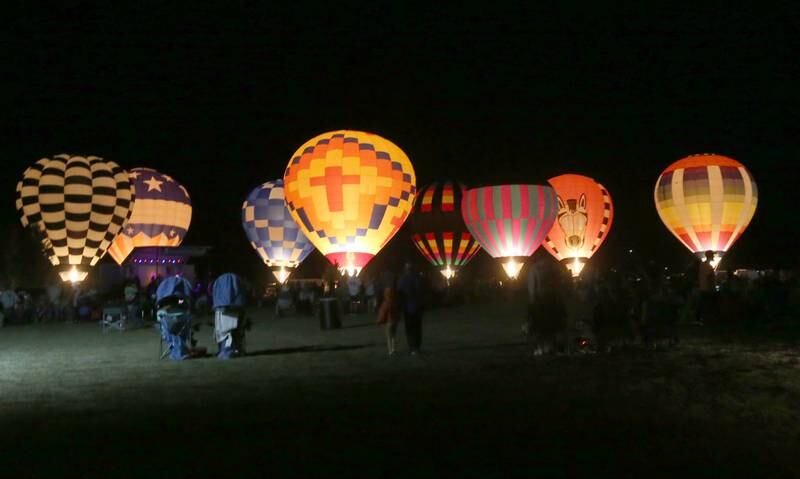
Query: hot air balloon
(437, 227)
(583, 220)
(510, 221)
(350, 192)
(160, 217)
(706, 201)
(272, 231)
(78, 205)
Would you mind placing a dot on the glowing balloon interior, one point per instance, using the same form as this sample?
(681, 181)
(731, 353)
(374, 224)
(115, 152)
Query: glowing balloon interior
(272, 231)
(512, 267)
(161, 216)
(438, 230)
(78, 205)
(350, 192)
(510, 221)
(585, 214)
(706, 201)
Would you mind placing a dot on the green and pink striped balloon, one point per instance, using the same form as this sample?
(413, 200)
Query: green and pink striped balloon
(510, 221)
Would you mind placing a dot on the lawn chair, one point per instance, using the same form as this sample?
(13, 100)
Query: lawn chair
(114, 318)
(230, 324)
(174, 323)
(174, 318)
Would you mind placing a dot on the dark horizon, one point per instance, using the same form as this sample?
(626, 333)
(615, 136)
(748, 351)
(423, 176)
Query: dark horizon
(222, 98)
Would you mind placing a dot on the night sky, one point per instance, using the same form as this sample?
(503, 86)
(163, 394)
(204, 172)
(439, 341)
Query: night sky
(220, 98)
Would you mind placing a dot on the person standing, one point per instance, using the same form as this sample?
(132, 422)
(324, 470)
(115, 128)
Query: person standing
(9, 299)
(385, 280)
(660, 313)
(535, 288)
(354, 290)
(411, 290)
(54, 311)
(546, 312)
(387, 315)
(707, 288)
(370, 294)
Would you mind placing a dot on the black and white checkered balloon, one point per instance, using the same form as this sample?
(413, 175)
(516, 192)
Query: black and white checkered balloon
(79, 205)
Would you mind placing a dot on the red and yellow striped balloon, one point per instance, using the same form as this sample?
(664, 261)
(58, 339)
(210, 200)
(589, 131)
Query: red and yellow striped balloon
(706, 201)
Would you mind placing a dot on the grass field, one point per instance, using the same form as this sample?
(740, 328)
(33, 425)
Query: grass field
(308, 403)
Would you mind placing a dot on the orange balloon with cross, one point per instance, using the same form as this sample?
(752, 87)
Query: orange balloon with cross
(350, 192)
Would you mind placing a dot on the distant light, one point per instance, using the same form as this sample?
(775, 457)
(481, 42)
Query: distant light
(714, 261)
(73, 275)
(282, 275)
(448, 272)
(512, 268)
(349, 267)
(630, 251)
(575, 267)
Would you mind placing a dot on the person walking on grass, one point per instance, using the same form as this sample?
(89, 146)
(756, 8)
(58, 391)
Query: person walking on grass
(411, 291)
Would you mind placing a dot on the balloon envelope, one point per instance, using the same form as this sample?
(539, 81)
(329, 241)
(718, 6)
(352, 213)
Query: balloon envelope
(510, 221)
(583, 220)
(437, 227)
(350, 192)
(78, 205)
(706, 201)
(272, 231)
(161, 216)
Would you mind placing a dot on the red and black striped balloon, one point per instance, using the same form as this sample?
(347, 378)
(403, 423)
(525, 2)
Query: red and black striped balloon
(437, 226)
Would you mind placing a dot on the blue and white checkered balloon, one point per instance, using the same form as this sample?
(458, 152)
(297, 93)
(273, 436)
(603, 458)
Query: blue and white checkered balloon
(272, 231)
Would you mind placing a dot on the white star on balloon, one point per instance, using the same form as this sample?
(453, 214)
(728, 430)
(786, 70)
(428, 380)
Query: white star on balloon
(134, 174)
(153, 184)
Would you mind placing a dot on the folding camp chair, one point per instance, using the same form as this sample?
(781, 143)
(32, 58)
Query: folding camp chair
(174, 317)
(114, 318)
(230, 326)
(177, 324)
(230, 323)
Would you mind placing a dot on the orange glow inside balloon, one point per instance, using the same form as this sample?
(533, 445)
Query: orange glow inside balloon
(350, 192)
(706, 201)
(585, 214)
